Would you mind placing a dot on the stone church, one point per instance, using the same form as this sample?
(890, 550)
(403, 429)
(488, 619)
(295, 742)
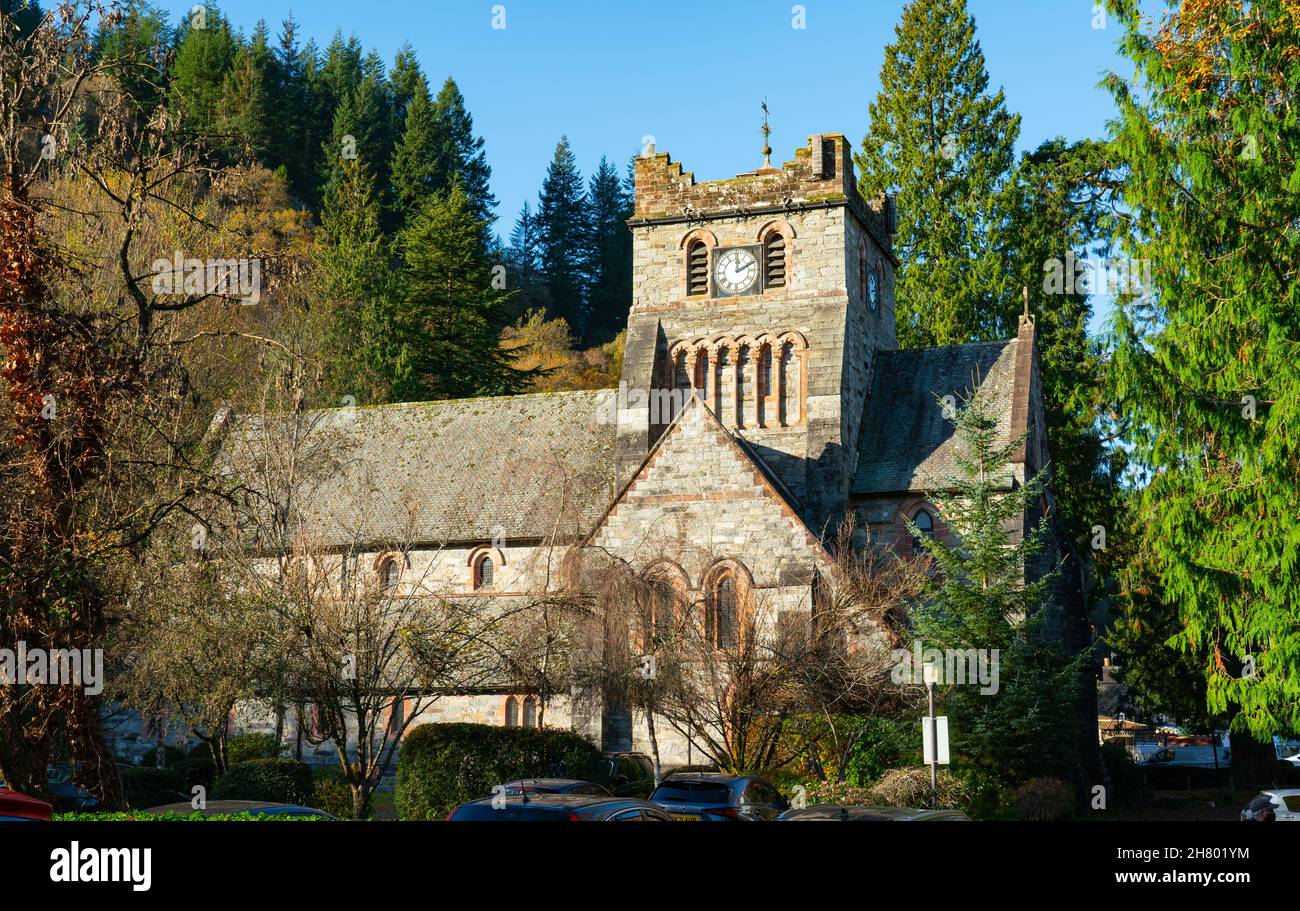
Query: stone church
(763, 401)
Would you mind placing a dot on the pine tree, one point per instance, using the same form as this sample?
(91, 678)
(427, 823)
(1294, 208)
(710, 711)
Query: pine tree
(609, 256)
(450, 305)
(406, 79)
(137, 47)
(198, 73)
(461, 156)
(1205, 367)
(366, 354)
(295, 140)
(416, 164)
(945, 147)
(981, 598)
(246, 115)
(360, 131)
(523, 261)
(563, 232)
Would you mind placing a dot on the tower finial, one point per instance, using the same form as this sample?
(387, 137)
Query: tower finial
(1024, 295)
(767, 132)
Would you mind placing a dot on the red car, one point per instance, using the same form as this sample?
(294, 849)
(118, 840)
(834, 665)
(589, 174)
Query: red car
(17, 806)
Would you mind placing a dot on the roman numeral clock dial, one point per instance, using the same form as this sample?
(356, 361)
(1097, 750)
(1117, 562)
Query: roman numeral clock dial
(735, 271)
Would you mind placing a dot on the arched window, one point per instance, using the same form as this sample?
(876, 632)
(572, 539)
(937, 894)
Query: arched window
(743, 366)
(763, 384)
(530, 712)
(924, 523)
(721, 620)
(702, 374)
(862, 269)
(697, 269)
(661, 613)
(389, 573)
(484, 572)
(512, 712)
(774, 260)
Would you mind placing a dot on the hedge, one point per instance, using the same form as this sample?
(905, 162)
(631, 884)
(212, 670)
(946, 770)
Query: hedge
(444, 765)
(243, 747)
(272, 780)
(145, 786)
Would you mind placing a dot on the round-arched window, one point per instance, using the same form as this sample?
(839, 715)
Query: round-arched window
(389, 573)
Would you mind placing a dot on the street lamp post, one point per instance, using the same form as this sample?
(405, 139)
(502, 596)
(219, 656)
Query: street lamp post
(931, 672)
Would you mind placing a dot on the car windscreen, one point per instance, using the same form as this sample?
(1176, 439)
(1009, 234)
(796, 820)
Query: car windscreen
(693, 792)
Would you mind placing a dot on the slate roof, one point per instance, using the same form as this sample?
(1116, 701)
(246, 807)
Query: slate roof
(453, 470)
(906, 444)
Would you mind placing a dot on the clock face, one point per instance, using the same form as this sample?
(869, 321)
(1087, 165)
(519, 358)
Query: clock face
(735, 271)
(873, 289)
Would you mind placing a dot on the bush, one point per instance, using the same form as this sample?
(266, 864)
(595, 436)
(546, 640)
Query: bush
(1045, 800)
(836, 792)
(333, 793)
(444, 765)
(145, 786)
(911, 788)
(243, 747)
(886, 743)
(272, 780)
(197, 771)
(171, 756)
(987, 796)
(1125, 776)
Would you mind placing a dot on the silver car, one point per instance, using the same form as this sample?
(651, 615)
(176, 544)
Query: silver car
(1282, 805)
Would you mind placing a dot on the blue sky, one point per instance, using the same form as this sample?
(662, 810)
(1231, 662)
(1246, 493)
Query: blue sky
(608, 72)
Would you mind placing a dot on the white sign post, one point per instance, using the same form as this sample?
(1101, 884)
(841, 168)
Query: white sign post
(941, 726)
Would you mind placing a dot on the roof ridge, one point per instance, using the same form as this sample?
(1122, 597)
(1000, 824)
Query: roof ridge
(435, 402)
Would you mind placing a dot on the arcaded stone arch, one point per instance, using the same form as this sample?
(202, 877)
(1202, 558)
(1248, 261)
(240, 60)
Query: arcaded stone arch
(777, 240)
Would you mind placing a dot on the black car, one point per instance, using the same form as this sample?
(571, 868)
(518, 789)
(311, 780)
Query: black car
(533, 786)
(829, 812)
(628, 774)
(719, 797)
(557, 808)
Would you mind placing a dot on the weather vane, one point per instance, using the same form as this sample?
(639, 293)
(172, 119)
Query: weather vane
(767, 132)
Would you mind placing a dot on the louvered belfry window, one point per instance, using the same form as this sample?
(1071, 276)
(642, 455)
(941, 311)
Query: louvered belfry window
(774, 261)
(697, 269)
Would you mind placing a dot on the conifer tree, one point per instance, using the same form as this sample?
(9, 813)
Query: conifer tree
(198, 73)
(416, 159)
(1205, 367)
(563, 233)
(137, 46)
(461, 156)
(246, 116)
(366, 354)
(982, 597)
(360, 131)
(452, 307)
(524, 276)
(945, 146)
(295, 139)
(609, 255)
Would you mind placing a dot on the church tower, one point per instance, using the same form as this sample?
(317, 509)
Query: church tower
(767, 296)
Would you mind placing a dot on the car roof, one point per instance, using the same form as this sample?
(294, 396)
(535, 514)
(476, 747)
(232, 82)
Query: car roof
(558, 801)
(1282, 792)
(185, 808)
(718, 777)
(548, 782)
(832, 812)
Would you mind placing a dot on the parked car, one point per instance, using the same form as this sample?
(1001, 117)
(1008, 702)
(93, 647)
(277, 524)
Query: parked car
(69, 797)
(532, 786)
(1282, 805)
(629, 774)
(235, 807)
(557, 808)
(16, 806)
(829, 812)
(719, 797)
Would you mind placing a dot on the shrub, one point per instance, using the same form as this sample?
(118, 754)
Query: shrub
(886, 743)
(145, 786)
(243, 747)
(1045, 800)
(1125, 776)
(333, 793)
(444, 765)
(272, 780)
(836, 792)
(197, 771)
(911, 788)
(987, 795)
(171, 756)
